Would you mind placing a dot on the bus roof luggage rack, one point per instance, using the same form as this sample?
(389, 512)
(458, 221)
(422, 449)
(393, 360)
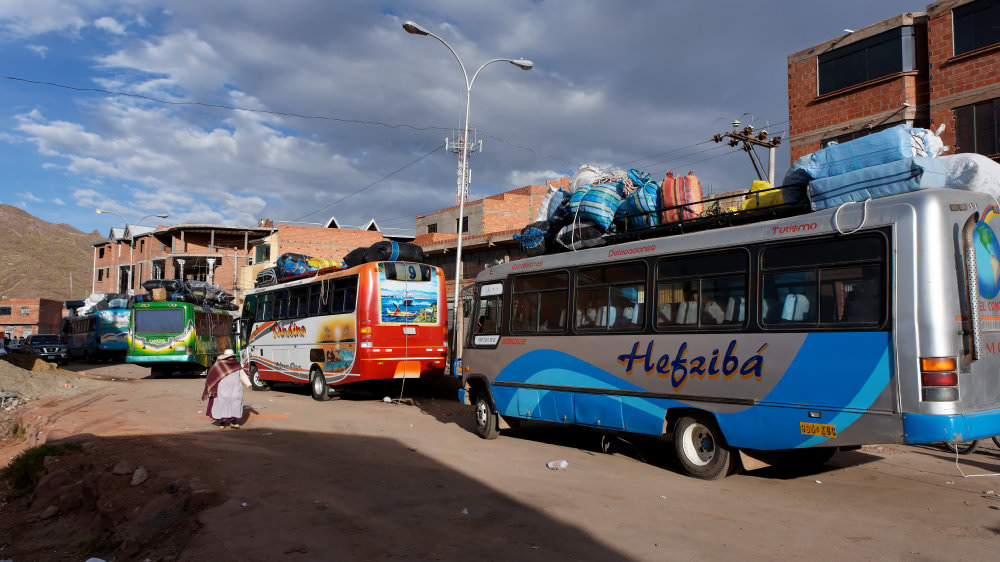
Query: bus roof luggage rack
(756, 206)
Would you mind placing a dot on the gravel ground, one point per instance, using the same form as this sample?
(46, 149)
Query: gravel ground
(19, 385)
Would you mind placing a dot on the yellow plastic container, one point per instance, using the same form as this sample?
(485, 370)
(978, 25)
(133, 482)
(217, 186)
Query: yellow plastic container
(759, 196)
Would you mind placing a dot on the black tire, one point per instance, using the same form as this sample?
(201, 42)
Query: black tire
(700, 448)
(996, 440)
(256, 383)
(487, 421)
(962, 447)
(317, 384)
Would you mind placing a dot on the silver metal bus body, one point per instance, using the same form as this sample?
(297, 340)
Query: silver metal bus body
(877, 322)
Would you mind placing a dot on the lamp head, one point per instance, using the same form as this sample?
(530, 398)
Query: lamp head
(523, 64)
(163, 215)
(414, 28)
(100, 211)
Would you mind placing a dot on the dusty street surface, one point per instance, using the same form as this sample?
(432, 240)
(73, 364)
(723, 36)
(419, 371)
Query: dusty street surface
(359, 479)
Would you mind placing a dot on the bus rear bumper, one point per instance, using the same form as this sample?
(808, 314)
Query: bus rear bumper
(925, 428)
(159, 358)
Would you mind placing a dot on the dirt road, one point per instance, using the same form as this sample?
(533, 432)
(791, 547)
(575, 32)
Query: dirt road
(359, 479)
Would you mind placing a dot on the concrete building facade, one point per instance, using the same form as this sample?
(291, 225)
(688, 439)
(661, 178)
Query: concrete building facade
(926, 69)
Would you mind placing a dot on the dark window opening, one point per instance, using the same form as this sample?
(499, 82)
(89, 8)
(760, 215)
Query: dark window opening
(432, 228)
(976, 25)
(540, 303)
(881, 55)
(977, 127)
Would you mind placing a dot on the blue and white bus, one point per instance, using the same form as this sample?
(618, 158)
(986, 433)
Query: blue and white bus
(872, 323)
(100, 334)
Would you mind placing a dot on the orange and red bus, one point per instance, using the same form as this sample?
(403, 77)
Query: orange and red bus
(335, 326)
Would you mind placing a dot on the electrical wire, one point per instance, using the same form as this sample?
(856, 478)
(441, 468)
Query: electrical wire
(374, 183)
(221, 106)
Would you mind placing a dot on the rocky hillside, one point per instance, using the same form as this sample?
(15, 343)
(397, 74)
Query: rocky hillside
(38, 257)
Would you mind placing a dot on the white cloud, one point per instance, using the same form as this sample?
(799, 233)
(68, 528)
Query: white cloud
(109, 24)
(31, 197)
(39, 50)
(58, 201)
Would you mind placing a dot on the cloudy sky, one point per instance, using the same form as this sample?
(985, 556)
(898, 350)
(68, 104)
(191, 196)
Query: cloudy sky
(229, 111)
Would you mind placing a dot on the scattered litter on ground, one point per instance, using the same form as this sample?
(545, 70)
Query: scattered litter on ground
(557, 465)
(387, 400)
(465, 511)
(819, 481)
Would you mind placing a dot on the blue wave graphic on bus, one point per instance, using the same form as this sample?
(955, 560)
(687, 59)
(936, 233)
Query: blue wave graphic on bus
(773, 423)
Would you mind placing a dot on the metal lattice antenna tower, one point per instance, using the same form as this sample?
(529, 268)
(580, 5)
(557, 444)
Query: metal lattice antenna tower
(458, 146)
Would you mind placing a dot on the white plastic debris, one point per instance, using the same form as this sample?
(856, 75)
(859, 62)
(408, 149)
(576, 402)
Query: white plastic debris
(557, 465)
(387, 400)
(465, 511)
(244, 504)
(819, 481)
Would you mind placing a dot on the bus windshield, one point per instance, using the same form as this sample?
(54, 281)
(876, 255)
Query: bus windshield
(159, 321)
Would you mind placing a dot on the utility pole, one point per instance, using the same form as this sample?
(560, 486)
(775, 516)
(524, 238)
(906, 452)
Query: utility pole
(749, 140)
(464, 147)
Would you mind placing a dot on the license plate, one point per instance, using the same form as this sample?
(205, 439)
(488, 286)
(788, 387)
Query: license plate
(821, 429)
(409, 330)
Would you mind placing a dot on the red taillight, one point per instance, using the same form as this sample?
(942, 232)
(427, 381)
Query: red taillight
(947, 378)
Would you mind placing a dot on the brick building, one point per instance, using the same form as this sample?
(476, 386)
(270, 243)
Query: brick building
(204, 252)
(488, 231)
(330, 241)
(941, 66)
(23, 317)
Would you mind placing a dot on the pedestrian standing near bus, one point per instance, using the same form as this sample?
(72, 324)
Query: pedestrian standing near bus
(224, 391)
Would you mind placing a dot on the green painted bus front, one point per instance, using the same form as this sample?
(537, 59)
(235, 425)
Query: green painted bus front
(177, 334)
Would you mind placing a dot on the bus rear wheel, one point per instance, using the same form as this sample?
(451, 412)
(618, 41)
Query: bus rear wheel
(487, 425)
(317, 382)
(700, 448)
(256, 382)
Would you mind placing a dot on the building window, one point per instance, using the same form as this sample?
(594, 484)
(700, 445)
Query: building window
(142, 245)
(100, 253)
(4, 311)
(262, 253)
(465, 224)
(25, 310)
(432, 228)
(881, 55)
(100, 274)
(976, 127)
(976, 24)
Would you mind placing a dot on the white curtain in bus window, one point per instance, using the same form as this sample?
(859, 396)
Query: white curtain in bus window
(611, 298)
(540, 303)
(723, 300)
(789, 297)
(706, 290)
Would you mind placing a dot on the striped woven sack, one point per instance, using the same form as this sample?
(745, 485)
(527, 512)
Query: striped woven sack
(600, 203)
(642, 206)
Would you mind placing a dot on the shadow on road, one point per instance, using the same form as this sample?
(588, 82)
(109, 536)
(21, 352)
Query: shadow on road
(279, 493)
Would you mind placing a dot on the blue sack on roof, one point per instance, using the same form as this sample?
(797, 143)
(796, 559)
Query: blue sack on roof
(908, 174)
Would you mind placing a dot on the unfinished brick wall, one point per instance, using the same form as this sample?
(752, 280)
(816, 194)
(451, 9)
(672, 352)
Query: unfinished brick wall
(956, 80)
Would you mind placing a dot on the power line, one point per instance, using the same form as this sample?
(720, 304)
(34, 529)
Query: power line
(383, 178)
(221, 106)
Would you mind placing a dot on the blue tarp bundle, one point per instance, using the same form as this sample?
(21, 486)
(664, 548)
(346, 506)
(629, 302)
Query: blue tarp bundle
(900, 176)
(882, 147)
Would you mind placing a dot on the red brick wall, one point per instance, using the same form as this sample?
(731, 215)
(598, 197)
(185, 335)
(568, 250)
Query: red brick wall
(44, 316)
(333, 243)
(813, 118)
(956, 81)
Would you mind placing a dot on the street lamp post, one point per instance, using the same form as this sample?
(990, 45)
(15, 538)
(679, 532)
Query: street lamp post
(463, 182)
(131, 239)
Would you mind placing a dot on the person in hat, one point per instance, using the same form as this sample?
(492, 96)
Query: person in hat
(224, 390)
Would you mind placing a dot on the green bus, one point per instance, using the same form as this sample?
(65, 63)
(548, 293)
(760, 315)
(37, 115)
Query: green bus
(177, 337)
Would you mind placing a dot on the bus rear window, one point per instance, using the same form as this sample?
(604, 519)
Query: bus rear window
(403, 271)
(159, 321)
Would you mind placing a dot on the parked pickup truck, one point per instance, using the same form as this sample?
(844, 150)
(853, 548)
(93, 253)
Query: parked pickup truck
(49, 347)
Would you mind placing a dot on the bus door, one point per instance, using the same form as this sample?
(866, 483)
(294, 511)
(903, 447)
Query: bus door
(483, 329)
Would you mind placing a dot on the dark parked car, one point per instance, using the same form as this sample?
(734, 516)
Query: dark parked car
(49, 347)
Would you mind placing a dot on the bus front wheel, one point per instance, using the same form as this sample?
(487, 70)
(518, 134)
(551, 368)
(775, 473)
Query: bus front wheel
(317, 382)
(487, 425)
(256, 382)
(700, 448)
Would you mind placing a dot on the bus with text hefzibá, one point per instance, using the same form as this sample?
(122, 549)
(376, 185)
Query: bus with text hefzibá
(377, 320)
(872, 323)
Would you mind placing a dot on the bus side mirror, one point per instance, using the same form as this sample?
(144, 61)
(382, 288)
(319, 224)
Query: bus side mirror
(236, 327)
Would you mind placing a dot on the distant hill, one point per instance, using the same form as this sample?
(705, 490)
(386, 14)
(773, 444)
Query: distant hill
(37, 257)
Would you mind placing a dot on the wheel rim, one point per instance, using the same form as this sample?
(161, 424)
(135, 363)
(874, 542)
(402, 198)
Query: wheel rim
(698, 444)
(255, 377)
(319, 383)
(482, 413)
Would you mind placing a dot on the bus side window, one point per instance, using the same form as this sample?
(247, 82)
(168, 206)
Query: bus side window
(488, 316)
